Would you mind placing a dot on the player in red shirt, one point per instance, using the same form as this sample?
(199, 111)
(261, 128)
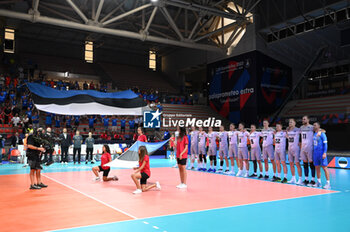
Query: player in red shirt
(172, 146)
(181, 155)
(143, 172)
(141, 136)
(105, 158)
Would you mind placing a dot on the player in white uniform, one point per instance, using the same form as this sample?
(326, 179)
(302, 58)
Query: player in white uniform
(280, 152)
(202, 143)
(194, 146)
(255, 150)
(233, 149)
(223, 149)
(212, 150)
(307, 148)
(243, 151)
(268, 152)
(293, 135)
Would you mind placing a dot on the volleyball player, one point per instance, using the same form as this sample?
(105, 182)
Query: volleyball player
(212, 150)
(233, 149)
(280, 153)
(143, 172)
(177, 132)
(202, 141)
(181, 155)
(293, 135)
(307, 147)
(194, 146)
(141, 136)
(255, 150)
(268, 152)
(105, 158)
(320, 155)
(243, 151)
(223, 149)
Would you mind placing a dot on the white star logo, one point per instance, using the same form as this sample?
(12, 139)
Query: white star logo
(156, 115)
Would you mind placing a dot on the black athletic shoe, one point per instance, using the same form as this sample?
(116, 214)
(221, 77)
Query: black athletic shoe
(42, 185)
(260, 176)
(49, 163)
(266, 177)
(86, 162)
(311, 184)
(284, 180)
(306, 182)
(274, 179)
(253, 175)
(34, 187)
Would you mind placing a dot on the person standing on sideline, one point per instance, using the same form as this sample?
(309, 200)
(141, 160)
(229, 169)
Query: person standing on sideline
(89, 142)
(77, 141)
(320, 155)
(268, 151)
(255, 150)
(65, 143)
(181, 155)
(33, 154)
(141, 136)
(293, 135)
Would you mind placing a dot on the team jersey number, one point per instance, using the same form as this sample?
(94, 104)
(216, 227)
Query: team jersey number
(291, 140)
(278, 140)
(265, 138)
(304, 136)
(252, 141)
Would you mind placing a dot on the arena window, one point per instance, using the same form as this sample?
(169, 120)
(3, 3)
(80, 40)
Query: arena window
(152, 60)
(9, 43)
(89, 51)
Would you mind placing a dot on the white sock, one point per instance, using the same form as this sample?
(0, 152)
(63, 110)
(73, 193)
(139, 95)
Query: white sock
(232, 168)
(319, 180)
(328, 182)
(279, 175)
(254, 173)
(313, 178)
(221, 167)
(306, 177)
(293, 177)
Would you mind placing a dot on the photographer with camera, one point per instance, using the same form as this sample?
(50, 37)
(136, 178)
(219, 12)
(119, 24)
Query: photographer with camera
(34, 151)
(48, 136)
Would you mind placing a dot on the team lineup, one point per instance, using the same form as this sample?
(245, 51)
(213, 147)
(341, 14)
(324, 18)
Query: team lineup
(307, 144)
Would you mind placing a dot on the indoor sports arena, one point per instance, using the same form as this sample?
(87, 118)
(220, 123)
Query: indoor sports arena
(174, 115)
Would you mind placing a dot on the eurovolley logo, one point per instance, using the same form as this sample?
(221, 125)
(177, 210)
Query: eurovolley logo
(151, 119)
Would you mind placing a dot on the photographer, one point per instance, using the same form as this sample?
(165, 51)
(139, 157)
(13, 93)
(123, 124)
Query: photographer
(33, 154)
(49, 150)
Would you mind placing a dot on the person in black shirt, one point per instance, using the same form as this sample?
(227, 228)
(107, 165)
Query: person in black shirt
(33, 154)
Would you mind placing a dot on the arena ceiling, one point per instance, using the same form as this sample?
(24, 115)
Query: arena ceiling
(195, 24)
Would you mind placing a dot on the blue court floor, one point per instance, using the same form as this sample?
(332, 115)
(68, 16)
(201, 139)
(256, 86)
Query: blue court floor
(327, 212)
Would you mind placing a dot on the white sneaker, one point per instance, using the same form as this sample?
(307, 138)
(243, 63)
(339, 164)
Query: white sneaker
(231, 173)
(183, 186)
(137, 191)
(66, 162)
(175, 166)
(292, 181)
(317, 185)
(327, 186)
(239, 173)
(300, 182)
(189, 168)
(158, 186)
(246, 175)
(227, 172)
(97, 179)
(179, 186)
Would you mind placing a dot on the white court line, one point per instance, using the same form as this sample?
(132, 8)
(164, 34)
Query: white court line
(198, 211)
(87, 195)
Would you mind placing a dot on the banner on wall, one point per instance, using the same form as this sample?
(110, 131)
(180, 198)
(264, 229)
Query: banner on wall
(247, 87)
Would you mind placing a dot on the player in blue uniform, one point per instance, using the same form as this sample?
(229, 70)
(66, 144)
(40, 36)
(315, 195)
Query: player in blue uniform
(320, 155)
